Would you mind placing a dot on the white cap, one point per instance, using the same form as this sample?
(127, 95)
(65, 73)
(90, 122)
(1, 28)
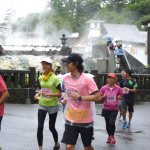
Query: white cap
(48, 60)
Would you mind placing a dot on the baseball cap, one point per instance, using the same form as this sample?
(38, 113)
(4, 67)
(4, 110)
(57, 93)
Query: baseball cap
(74, 57)
(112, 75)
(48, 60)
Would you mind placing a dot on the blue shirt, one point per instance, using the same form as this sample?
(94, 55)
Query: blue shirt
(131, 84)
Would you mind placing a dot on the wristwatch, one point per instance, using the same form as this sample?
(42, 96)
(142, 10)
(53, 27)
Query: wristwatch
(80, 99)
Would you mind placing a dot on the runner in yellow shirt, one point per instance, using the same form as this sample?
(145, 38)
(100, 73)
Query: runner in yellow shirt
(48, 102)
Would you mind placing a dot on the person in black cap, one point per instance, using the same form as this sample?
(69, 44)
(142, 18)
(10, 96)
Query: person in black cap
(58, 70)
(81, 90)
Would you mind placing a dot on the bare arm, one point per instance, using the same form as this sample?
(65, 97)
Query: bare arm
(4, 97)
(95, 97)
(133, 90)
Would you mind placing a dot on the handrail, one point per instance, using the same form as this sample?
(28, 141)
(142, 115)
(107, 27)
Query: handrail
(13, 71)
(126, 59)
(109, 52)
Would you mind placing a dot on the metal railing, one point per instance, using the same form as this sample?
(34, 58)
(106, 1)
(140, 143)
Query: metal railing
(126, 59)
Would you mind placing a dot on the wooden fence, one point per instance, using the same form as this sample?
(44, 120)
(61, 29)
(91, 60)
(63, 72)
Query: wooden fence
(21, 84)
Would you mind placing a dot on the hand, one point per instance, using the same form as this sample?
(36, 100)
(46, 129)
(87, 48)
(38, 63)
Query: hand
(105, 95)
(119, 97)
(36, 97)
(126, 89)
(44, 94)
(63, 102)
(75, 96)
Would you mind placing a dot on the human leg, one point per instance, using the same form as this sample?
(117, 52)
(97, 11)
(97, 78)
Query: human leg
(41, 119)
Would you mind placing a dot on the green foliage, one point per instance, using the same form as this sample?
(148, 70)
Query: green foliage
(13, 86)
(73, 15)
(148, 66)
(102, 42)
(24, 62)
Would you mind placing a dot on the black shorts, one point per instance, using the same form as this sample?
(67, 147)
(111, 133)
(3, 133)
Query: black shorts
(109, 114)
(111, 48)
(128, 105)
(72, 132)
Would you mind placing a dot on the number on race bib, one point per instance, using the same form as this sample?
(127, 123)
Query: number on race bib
(111, 98)
(69, 91)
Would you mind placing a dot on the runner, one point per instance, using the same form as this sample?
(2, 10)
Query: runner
(129, 86)
(48, 102)
(119, 80)
(80, 91)
(111, 93)
(3, 97)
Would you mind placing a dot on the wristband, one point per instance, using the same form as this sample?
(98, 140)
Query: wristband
(80, 99)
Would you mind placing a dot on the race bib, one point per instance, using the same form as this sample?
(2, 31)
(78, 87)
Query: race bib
(76, 115)
(45, 91)
(111, 98)
(69, 91)
(125, 92)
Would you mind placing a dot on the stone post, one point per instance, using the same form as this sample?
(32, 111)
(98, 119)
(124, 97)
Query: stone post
(96, 78)
(111, 63)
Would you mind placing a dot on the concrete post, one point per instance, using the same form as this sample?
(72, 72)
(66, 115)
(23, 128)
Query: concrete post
(96, 77)
(111, 63)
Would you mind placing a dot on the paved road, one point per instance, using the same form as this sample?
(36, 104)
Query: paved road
(20, 124)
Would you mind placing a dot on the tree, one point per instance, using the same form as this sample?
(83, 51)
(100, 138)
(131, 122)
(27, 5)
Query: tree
(8, 16)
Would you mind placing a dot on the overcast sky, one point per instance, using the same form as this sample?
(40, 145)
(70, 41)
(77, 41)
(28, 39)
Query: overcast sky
(22, 7)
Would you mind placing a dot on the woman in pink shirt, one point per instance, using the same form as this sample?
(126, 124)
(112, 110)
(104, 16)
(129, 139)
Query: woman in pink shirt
(111, 93)
(3, 96)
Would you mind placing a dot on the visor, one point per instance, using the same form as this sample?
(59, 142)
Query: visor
(112, 75)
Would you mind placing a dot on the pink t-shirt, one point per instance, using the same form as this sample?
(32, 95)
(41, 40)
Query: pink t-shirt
(2, 88)
(79, 112)
(111, 101)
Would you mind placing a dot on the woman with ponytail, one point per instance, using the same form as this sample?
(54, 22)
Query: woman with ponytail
(48, 102)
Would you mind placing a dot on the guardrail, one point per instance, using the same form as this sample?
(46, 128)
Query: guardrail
(109, 52)
(126, 59)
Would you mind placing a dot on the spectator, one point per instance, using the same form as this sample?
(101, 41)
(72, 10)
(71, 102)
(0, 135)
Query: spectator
(58, 69)
(111, 47)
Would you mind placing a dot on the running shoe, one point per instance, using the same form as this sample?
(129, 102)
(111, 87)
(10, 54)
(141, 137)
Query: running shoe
(113, 141)
(128, 125)
(56, 147)
(119, 117)
(109, 139)
(124, 124)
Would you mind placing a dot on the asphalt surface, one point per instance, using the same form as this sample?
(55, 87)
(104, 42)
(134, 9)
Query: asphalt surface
(19, 128)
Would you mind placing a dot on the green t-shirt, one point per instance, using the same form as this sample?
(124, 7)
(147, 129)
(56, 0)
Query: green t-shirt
(51, 84)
